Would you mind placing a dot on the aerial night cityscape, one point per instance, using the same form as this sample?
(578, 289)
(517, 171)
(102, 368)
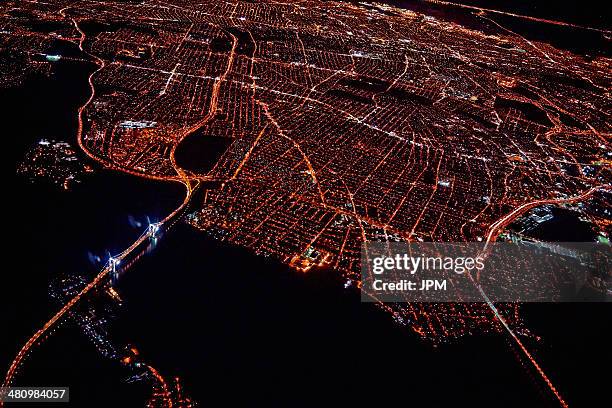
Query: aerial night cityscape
(306, 203)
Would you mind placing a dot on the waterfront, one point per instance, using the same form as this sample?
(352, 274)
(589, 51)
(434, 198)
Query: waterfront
(197, 308)
(577, 40)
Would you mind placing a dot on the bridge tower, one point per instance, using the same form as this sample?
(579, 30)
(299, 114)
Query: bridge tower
(113, 263)
(152, 230)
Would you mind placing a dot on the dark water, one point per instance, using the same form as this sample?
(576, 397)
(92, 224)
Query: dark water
(574, 349)
(243, 330)
(239, 329)
(53, 234)
(588, 13)
(580, 41)
(50, 232)
(566, 226)
(199, 152)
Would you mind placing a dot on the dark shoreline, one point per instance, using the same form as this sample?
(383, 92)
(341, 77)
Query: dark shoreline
(583, 42)
(583, 13)
(265, 332)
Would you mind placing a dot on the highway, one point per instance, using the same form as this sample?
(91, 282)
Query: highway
(151, 231)
(494, 231)
(110, 266)
(396, 169)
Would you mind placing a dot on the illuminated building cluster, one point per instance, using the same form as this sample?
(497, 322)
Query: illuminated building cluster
(55, 162)
(345, 123)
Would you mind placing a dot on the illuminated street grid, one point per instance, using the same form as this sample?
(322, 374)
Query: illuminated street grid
(347, 122)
